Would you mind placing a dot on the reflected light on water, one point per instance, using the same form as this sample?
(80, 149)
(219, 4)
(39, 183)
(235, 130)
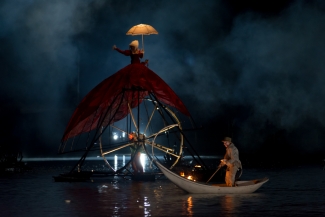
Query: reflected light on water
(102, 189)
(146, 205)
(230, 203)
(117, 196)
(189, 206)
(115, 162)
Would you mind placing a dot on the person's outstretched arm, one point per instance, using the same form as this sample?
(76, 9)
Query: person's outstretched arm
(125, 52)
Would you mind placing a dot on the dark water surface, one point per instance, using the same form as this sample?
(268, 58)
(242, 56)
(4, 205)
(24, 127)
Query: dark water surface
(294, 191)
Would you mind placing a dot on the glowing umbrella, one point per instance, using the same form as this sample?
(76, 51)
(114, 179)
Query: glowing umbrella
(142, 29)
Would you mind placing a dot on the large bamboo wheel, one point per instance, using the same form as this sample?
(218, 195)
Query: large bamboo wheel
(146, 121)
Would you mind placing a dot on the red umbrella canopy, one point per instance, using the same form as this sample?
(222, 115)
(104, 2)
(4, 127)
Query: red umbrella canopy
(108, 102)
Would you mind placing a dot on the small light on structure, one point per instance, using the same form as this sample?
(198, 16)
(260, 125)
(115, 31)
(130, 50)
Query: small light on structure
(182, 174)
(190, 177)
(115, 136)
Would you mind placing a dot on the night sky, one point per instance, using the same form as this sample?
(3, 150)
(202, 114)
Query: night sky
(246, 69)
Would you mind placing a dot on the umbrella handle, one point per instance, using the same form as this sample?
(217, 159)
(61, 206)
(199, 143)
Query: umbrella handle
(142, 45)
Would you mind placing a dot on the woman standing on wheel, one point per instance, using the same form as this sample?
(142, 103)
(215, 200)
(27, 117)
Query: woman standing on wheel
(134, 52)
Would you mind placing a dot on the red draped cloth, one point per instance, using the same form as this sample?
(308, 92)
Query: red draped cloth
(108, 101)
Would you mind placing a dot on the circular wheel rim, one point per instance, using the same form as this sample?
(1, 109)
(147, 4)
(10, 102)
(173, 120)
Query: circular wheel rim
(142, 126)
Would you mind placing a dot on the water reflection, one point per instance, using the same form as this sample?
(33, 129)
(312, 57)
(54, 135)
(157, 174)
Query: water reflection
(146, 205)
(189, 206)
(229, 204)
(221, 204)
(118, 196)
(122, 197)
(112, 196)
(102, 189)
(115, 162)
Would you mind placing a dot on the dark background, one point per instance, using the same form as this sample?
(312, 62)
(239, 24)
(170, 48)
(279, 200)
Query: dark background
(252, 70)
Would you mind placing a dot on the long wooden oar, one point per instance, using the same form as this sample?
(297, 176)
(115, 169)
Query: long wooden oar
(214, 173)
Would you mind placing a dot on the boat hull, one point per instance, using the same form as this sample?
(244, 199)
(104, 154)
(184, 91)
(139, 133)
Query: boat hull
(243, 187)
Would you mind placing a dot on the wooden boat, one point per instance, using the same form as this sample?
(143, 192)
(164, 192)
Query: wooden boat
(243, 187)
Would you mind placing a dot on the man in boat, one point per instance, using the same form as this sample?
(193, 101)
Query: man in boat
(231, 160)
(134, 52)
(136, 152)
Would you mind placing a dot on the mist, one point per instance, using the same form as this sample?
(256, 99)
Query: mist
(244, 70)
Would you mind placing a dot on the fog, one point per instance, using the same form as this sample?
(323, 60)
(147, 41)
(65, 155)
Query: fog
(245, 70)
